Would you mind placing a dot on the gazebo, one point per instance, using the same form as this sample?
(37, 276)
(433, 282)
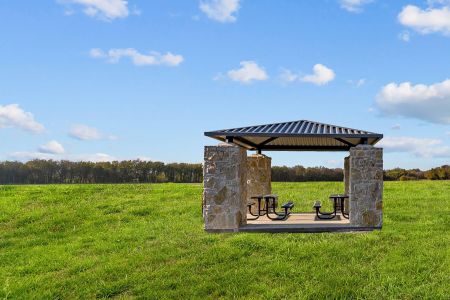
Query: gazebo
(231, 177)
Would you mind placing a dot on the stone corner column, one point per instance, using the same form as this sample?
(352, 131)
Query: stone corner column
(259, 177)
(366, 186)
(224, 187)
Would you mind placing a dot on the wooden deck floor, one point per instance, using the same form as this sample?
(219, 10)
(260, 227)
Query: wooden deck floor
(301, 222)
(300, 218)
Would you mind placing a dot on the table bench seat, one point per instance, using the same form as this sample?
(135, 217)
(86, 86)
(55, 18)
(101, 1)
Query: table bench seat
(288, 205)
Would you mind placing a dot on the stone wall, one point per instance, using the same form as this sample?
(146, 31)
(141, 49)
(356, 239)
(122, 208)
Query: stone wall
(366, 186)
(225, 187)
(259, 177)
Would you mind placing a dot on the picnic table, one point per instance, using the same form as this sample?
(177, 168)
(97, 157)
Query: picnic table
(339, 203)
(338, 206)
(269, 208)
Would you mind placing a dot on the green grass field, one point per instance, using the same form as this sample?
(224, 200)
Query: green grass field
(147, 241)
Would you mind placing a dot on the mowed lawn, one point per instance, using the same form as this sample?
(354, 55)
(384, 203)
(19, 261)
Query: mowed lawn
(147, 241)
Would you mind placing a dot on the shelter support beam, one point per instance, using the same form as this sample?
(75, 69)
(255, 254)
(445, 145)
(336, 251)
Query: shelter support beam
(366, 186)
(346, 179)
(345, 142)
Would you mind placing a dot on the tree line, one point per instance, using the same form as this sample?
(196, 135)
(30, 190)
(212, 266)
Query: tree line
(439, 173)
(137, 171)
(127, 171)
(299, 173)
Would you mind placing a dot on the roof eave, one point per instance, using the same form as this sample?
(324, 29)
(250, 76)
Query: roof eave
(331, 135)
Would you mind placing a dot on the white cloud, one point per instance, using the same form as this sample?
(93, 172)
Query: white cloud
(249, 72)
(52, 147)
(322, 75)
(287, 76)
(219, 76)
(420, 147)
(396, 127)
(334, 163)
(94, 157)
(354, 6)
(357, 83)
(25, 156)
(137, 58)
(220, 10)
(426, 102)
(429, 20)
(96, 53)
(102, 9)
(12, 116)
(405, 36)
(86, 133)
(360, 82)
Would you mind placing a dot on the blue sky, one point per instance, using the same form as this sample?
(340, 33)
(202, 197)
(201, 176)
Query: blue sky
(113, 79)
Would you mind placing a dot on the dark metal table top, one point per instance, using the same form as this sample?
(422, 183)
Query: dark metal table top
(338, 196)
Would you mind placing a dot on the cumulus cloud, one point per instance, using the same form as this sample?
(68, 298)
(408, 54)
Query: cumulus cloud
(420, 147)
(429, 20)
(102, 9)
(52, 147)
(321, 75)
(137, 58)
(249, 72)
(86, 133)
(220, 10)
(12, 116)
(426, 102)
(354, 6)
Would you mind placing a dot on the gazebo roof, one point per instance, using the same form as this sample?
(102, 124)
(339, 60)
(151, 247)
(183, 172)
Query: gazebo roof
(299, 135)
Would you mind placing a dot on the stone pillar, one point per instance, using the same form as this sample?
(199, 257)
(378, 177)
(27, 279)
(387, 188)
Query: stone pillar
(346, 179)
(225, 187)
(259, 177)
(366, 186)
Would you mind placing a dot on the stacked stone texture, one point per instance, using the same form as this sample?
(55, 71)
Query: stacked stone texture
(259, 178)
(225, 187)
(366, 186)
